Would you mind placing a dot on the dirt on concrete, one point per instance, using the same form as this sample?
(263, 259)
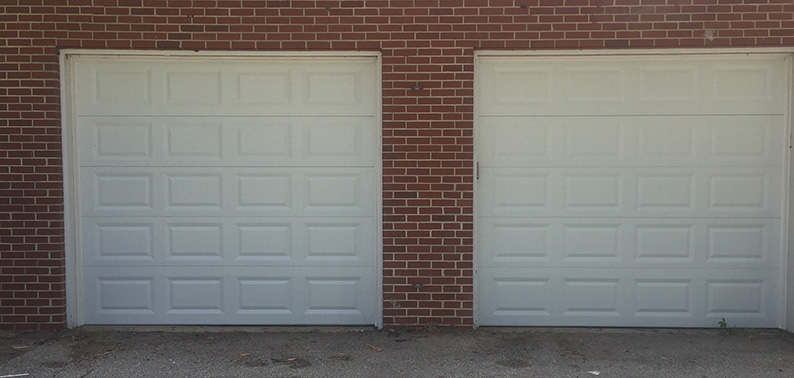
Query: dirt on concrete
(356, 352)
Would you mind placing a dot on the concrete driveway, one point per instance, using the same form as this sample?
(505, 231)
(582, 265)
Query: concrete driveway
(357, 352)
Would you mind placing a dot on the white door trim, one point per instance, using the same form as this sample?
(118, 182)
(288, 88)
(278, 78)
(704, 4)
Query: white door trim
(73, 259)
(786, 274)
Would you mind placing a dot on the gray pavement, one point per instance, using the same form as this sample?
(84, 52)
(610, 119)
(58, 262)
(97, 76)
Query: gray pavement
(366, 352)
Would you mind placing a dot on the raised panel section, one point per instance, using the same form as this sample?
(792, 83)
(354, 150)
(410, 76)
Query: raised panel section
(739, 191)
(664, 242)
(735, 297)
(124, 241)
(668, 84)
(122, 139)
(123, 191)
(333, 295)
(194, 191)
(195, 241)
(593, 191)
(263, 88)
(520, 297)
(592, 241)
(195, 296)
(593, 138)
(125, 295)
(663, 297)
(265, 241)
(265, 296)
(590, 297)
(266, 138)
(595, 85)
(515, 241)
(265, 192)
(731, 242)
(196, 87)
(193, 140)
(664, 191)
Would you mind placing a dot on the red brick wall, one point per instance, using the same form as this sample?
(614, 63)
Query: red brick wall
(427, 134)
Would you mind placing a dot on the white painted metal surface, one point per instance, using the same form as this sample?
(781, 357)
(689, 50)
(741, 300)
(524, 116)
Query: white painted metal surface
(227, 190)
(630, 191)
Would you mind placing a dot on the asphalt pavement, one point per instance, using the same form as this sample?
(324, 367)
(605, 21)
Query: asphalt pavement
(365, 352)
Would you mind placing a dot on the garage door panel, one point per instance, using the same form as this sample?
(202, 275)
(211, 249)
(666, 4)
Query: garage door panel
(663, 141)
(600, 297)
(210, 295)
(211, 191)
(663, 243)
(229, 141)
(287, 241)
(605, 86)
(630, 192)
(167, 87)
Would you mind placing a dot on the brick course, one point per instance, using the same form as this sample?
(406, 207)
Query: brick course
(427, 132)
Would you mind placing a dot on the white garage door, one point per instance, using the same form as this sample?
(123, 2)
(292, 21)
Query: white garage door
(630, 191)
(227, 190)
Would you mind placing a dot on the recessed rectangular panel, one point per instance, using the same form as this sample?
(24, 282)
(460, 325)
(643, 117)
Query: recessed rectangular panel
(522, 86)
(737, 297)
(193, 140)
(337, 192)
(267, 138)
(195, 295)
(132, 191)
(265, 241)
(258, 192)
(741, 83)
(662, 297)
(521, 296)
(666, 136)
(592, 242)
(593, 191)
(333, 295)
(194, 191)
(127, 295)
(595, 85)
(333, 241)
(737, 242)
(123, 139)
(195, 241)
(664, 242)
(125, 241)
(520, 191)
(668, 84)
(126, 84)
(590, 296)
(265, 295)
(195, 88)
(334, 138)
(333, 88)
(263, 88)
(739, 137)
(517, 138)
(664, 191)
(593, 137)
(738, 191)
(517, 242)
